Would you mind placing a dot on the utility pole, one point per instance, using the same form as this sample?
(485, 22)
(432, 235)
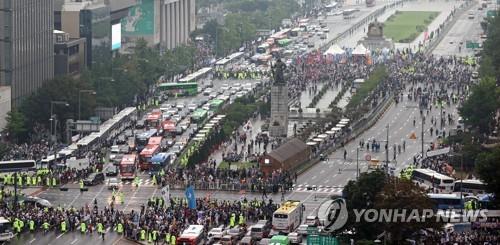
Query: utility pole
(387, 150)
(357, 163)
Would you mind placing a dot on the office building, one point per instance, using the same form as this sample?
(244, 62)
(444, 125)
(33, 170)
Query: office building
(26, 46)
(167, 23)
(69, 55)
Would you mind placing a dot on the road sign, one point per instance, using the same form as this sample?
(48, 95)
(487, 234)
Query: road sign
(322, 240)
(413, 136)
(368, 157)
(12, 166)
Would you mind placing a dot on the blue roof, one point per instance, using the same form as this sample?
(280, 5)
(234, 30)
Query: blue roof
(160, 157)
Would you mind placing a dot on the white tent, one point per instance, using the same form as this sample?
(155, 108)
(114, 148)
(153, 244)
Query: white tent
(334, 50)
(360, 50)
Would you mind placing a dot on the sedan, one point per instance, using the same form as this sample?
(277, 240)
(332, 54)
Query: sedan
(112, 183)
(112, 170)
(295, 238)
(237, 232)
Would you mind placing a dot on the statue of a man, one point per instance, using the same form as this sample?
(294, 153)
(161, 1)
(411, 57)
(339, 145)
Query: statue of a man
(278, 69)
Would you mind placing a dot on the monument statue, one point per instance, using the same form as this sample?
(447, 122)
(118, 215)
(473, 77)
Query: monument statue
(278, 70)
(375, 29)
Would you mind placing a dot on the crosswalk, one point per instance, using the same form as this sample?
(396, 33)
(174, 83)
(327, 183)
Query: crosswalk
(318, 189)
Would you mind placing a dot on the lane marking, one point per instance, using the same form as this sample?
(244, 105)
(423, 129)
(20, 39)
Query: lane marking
(314, 177)
(33, 240)
(74, 241)
(60, 235)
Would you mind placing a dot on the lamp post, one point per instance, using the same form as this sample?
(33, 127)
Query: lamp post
(53, 129)
(88, 91)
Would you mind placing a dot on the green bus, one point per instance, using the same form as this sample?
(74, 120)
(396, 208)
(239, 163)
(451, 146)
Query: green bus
(216, 104)
(179, 89)
(199, 115)
(284, 42)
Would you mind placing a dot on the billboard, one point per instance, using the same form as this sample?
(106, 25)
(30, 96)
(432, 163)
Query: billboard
(116, 36)
(140, 19)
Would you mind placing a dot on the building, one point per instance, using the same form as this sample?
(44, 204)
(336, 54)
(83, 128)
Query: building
(26, 46)
(69, 55)
(288, 157)
(167, 23)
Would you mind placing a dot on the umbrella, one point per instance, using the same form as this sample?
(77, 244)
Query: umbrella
(322, 136)
(311, 143)
(330, 132)
(318, 139)
(340, 125)
(336, 129)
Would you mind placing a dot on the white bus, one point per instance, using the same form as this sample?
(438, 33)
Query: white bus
(432, 179)
(288, 216)
(471, 186)
(193, 235)
(6, 233)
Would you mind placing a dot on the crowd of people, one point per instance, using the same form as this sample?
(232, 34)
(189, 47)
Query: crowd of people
(158, 221)
(475, 236)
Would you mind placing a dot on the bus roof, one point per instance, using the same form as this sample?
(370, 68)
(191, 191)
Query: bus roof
(433, 173)
(160, 157)
(147, 134)
(155, 140)
(288, 206)
(471, 181)
(196, 75)
(170, 85)
(128, 159)
(447, 196)
(193, 230)
(153, 116)
(149, 149)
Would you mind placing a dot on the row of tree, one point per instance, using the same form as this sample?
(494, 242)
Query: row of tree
(123, 81)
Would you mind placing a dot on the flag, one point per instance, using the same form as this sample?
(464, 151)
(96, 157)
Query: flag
(191, 199)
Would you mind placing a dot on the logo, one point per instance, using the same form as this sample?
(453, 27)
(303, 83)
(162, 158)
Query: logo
(333, 213)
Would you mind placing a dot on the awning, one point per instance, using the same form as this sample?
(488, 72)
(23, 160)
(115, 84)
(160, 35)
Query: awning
(343, 123)
(214, 121)
(220, 116)
(211, 125)
(200, 136)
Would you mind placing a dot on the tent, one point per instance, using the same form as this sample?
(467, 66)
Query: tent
(334, 50)
(360, 50)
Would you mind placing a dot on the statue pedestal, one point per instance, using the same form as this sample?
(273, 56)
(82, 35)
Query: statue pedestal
(278, 125)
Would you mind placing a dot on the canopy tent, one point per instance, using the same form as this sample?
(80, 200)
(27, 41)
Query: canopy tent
(214, 121)
(360, 50)
(343, 123)
(311, 143)
(334, 50)
(211, 125)
(220, 116)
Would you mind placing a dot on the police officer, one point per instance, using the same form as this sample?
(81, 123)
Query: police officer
(81, 185)
(119, 228)
(45, 226)
(83, 228)
(63, 226)
(100, 229)
(32, 225)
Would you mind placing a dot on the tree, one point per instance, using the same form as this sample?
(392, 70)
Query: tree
(488, 167)
(402, 194)
(16, 126)
(482, 96)
(361, 194)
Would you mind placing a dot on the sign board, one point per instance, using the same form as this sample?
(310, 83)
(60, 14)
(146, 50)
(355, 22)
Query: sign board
(322, 240)
(12, 166)
(438, 152)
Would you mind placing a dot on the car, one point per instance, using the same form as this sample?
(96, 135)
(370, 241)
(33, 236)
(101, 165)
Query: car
(265, 241)
(37, 201)
(140, 124)
(170, 141)
(207, 91)
(180, 106)
(124, 149)
(310, 44)
(213, 95)
(215, 234)
(295, 238)
(259, 231)
(116, 159)
(237, 232)
(312, 221)
(228, 240)
(176, 118)
(192, 107)
(115, 149)
(112, 183)
(112, 170)
(165, 107)
(302, 229)
(94, 179)
(121, 139)
(248, 240)
(326, 29)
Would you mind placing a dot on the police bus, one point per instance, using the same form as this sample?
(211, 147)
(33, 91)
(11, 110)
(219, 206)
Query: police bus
(288, 216)
(471, 186)
(193, 235)
(432, 179)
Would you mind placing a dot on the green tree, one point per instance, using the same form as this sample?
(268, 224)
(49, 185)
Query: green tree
(361, 194)
(483, 96)
(16, 125)
(488, 167)
(490, 64)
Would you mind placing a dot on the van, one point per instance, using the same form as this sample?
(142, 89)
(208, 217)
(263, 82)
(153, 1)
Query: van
(312, 221)
(259, 231)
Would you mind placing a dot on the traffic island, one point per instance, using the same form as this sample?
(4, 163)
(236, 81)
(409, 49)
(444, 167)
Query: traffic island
(406, 26)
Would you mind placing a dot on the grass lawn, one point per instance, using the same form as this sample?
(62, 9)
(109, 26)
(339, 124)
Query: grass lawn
(405, 26)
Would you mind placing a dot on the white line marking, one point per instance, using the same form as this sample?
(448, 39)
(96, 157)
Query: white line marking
(33, 240)
(60, 235)
(74, 241)
(314, 177)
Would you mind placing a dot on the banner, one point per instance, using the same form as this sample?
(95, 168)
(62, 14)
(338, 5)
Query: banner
(190, 197)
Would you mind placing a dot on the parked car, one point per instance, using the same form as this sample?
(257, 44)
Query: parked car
(237, 232)
(94, 179)
(112, 183)
(37, 201)
(228, 240)
(215, 234)
(248, 240)
(112, 170)
(302, 229)
(260, 230)
(295, 238)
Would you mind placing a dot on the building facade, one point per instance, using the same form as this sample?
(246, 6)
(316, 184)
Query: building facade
(167, 23)
(69, 55)
(26, 46)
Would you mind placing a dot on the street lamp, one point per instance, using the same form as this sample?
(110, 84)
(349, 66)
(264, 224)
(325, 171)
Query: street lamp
(52, 118)
(88, 91)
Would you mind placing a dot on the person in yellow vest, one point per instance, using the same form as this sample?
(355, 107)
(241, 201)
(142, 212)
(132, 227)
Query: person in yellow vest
(155, 236)
(150, 236)
(32, 225)
(54, 182)
(232, 220)
(83, 228)
(81, 185)
(100, 230)
(136, 181)
(154, 179)
(241, 220)
(119, 228)
(173, 240)
(45, 226)
(121, 197)
(167, 237)
(63, 226)
(143, 235)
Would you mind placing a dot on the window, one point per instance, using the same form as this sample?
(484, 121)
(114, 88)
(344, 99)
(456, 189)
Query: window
(281, 216)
